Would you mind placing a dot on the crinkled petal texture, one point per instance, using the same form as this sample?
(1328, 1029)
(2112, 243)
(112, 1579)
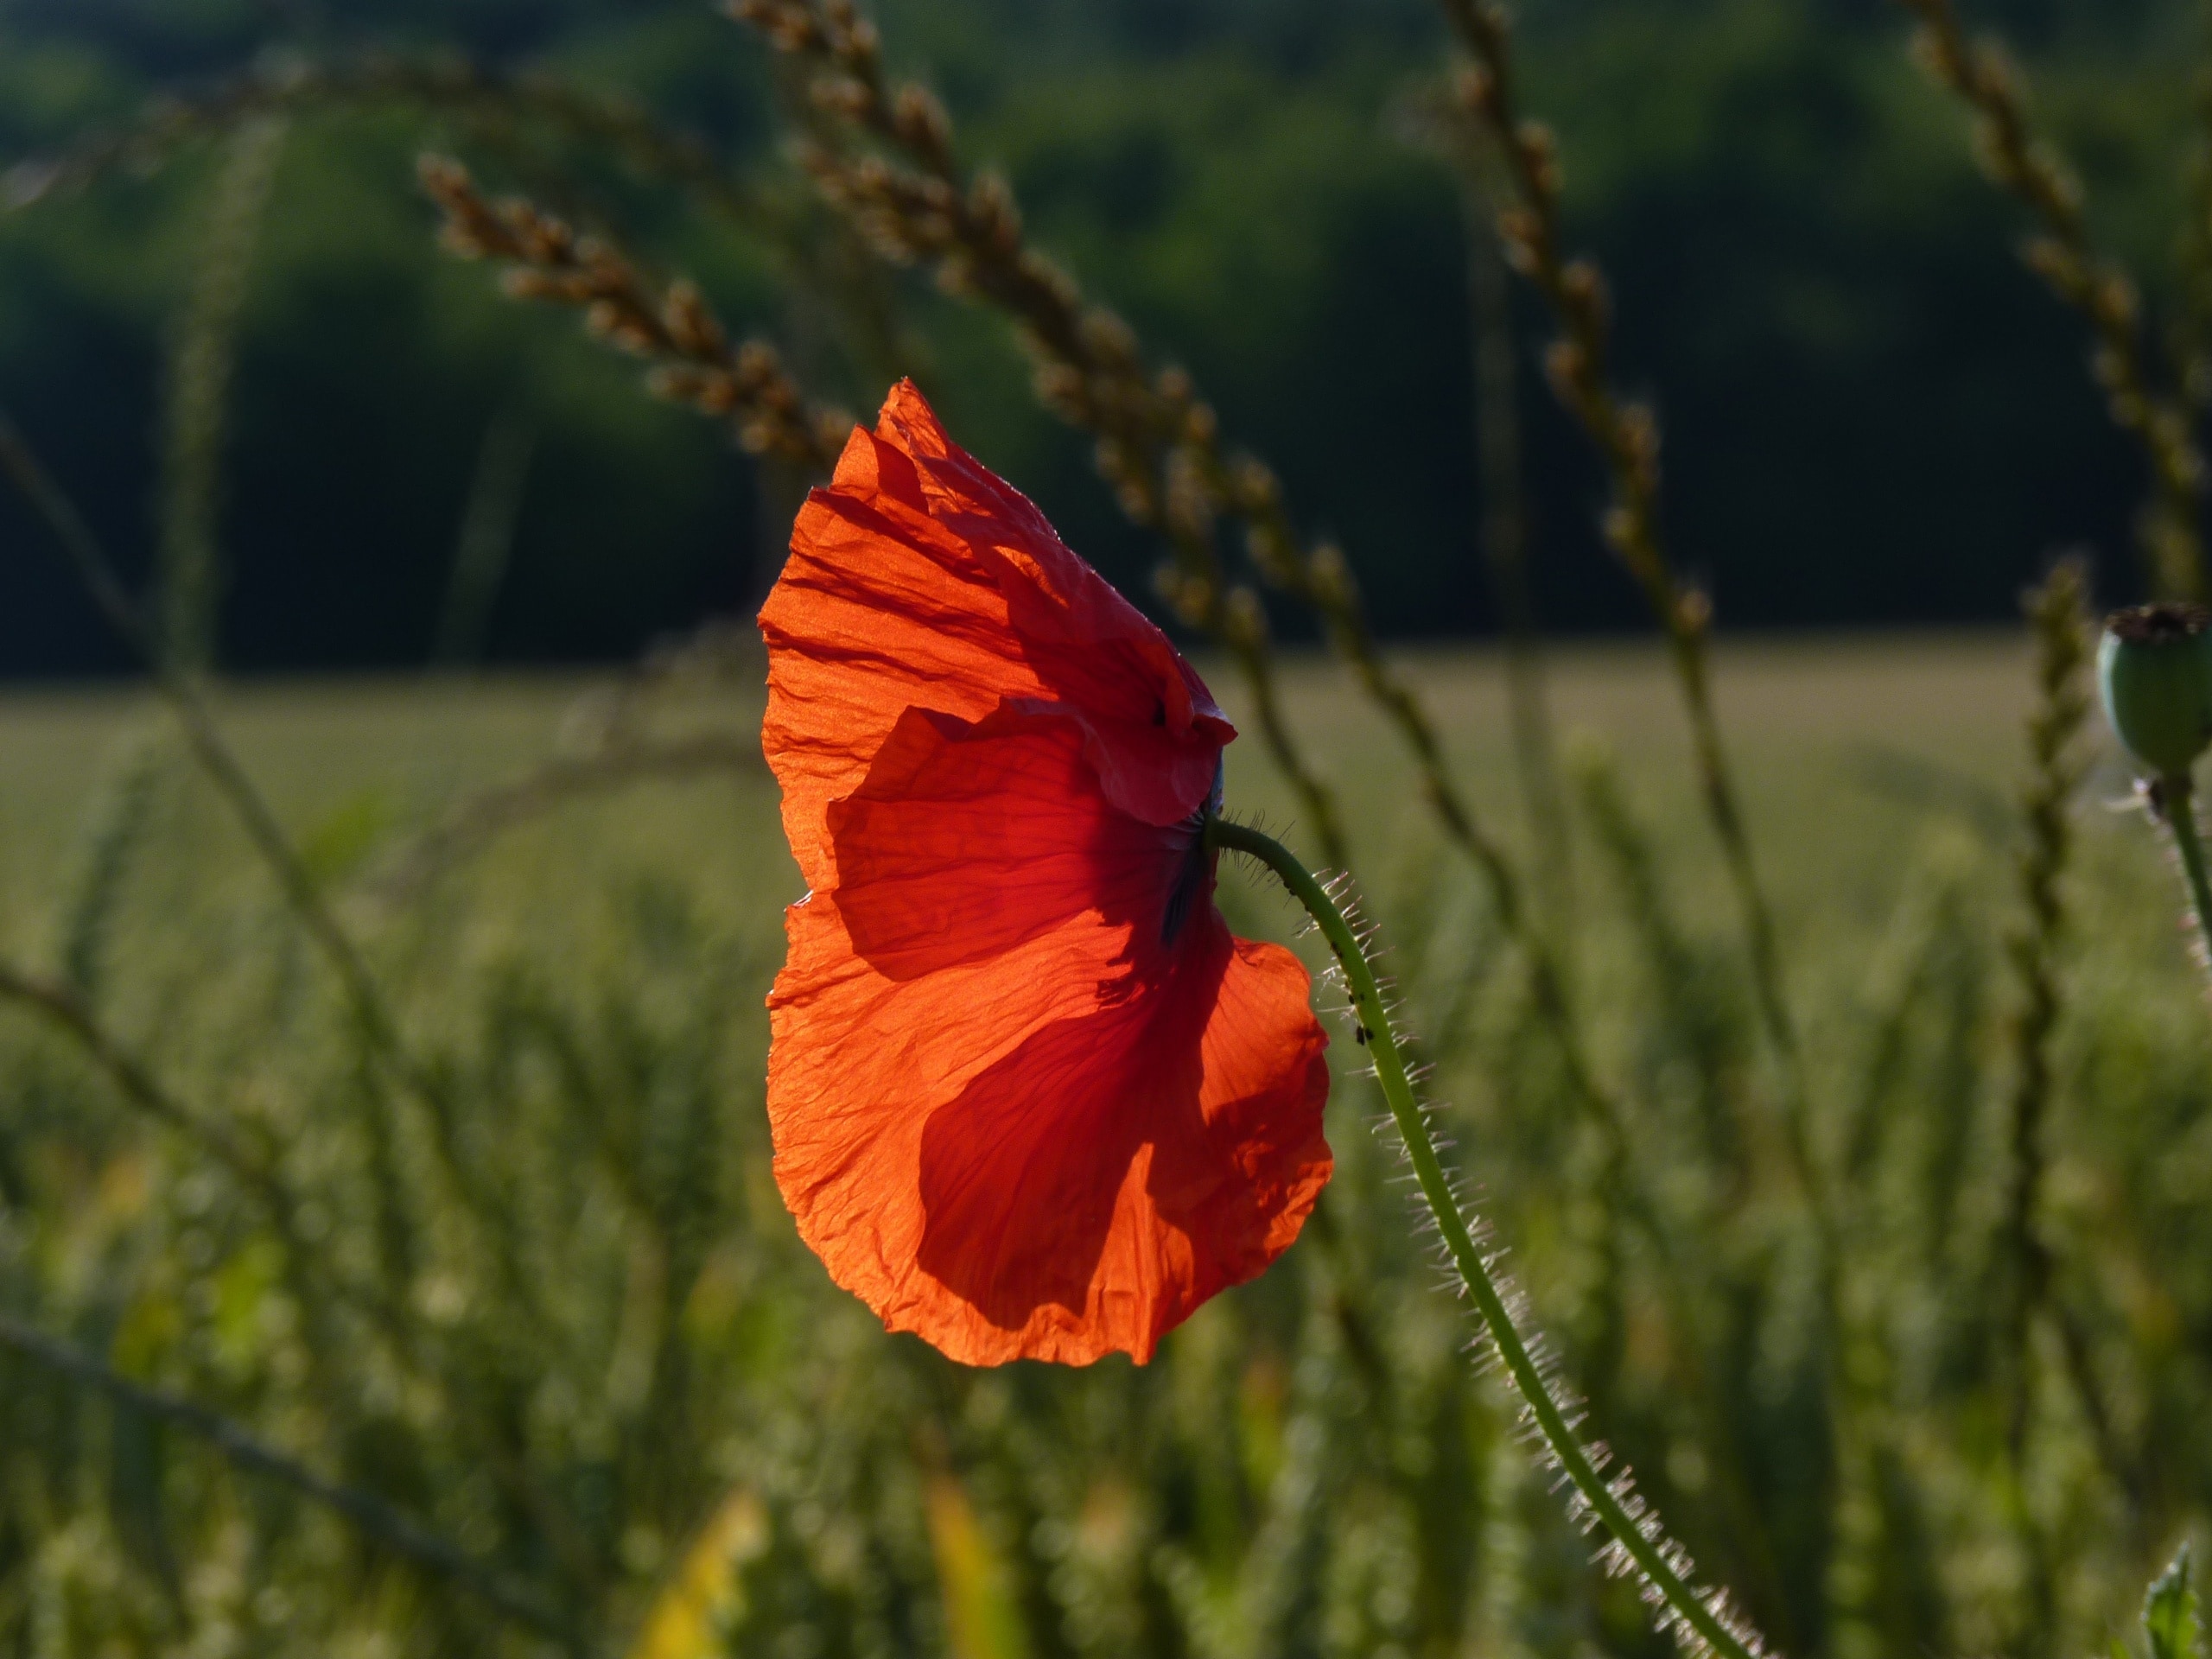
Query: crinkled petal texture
(1030, 1098)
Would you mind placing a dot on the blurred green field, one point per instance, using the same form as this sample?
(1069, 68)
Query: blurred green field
(1847, 741)
(1861, 756)
(539, 1294)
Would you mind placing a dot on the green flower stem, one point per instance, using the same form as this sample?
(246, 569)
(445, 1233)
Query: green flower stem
(2180, 804)
(1467, 1256)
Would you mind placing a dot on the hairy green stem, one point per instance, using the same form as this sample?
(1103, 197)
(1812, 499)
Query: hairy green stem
(1663, 1566)
(2179, 804)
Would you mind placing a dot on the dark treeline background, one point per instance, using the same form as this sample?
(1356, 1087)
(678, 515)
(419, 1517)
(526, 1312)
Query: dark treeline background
(1873, 414)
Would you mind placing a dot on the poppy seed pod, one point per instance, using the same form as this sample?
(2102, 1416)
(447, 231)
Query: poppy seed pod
(2154, 670)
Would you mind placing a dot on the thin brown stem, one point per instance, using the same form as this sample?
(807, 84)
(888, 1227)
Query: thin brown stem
(883, 155)
(2025, 165)
(695, 362)
(1504, 535)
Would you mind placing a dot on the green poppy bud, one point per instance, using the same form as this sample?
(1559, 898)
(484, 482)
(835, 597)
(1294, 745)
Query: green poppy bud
(2154, 668)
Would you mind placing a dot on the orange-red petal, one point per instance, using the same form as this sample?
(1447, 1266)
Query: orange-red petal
(1029, 1097)
(918, 580)
(1008, 1113)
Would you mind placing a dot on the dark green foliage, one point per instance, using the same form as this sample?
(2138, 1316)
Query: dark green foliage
(1805, 264)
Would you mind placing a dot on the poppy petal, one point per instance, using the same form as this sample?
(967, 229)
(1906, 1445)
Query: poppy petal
(1029, 1096)
(1079, 1191)
(967, 840)
(917, 580)
(1006, 1114)
(1074, 1208)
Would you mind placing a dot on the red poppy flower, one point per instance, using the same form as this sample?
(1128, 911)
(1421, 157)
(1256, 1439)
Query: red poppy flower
(1029, 1097)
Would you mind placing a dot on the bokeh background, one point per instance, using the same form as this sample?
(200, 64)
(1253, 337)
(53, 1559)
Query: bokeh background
(390, 1260)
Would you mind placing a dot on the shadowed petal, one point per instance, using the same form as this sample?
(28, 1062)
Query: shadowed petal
(1077, 1190)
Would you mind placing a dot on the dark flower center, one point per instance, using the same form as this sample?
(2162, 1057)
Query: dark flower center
(1191, 877)
(2160, 624)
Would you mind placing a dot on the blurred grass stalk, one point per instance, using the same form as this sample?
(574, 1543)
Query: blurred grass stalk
(485, 544)
(377, 1520)
(1440, 123)
(200, 373)
(1505, 536)
(2057, 616)
(82, 552)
